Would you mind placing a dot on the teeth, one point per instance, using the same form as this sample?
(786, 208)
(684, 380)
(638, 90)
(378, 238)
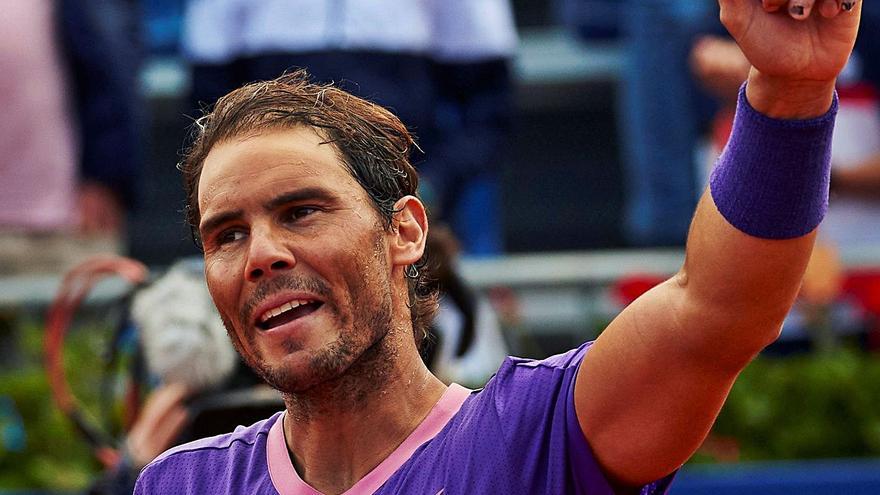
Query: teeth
(283, 308)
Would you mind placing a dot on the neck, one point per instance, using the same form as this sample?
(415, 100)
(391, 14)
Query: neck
(341, 430)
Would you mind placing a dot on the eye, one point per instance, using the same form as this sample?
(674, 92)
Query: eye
(297, 212)
(228, 236)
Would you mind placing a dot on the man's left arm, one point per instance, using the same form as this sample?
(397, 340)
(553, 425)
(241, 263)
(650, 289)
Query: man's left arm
(653, 383)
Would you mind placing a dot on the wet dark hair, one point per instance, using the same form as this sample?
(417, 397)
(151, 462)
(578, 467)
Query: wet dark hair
(371, 142)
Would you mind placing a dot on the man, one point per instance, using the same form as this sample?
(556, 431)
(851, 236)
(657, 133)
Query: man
(313, 239)
(69, 133)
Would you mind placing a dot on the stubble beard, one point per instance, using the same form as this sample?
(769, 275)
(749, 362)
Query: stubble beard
(344, 372)
(359, 340)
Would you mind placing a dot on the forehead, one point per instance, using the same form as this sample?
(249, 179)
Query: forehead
(271, 161)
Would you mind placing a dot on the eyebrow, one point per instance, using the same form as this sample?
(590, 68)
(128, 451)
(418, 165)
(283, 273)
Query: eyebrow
(213, 222)
(309, 193)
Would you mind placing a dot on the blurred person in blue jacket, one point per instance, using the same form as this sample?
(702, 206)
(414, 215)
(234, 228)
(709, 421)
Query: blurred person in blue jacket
(473, 44)
(658, 152)
(69, 131)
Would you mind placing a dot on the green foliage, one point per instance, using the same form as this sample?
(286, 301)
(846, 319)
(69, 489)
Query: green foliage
(821, 405)
(54, 457)
(818, 405)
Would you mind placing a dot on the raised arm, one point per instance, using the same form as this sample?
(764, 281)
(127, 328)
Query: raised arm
(652, 385)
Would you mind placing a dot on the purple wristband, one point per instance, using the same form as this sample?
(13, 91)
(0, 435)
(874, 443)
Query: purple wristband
(772, 179)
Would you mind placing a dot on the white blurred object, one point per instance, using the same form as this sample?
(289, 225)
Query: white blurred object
(482, 358)
(219, 31)
(472, 30)
(854, 221)
(183, 338)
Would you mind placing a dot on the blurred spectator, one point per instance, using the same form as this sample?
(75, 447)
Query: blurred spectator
(375, 49)
(591, 19)
(466, 345)
(162, 25)
(441, 66)
(658, 110)
(473, 43)
(69, 130)
(659, 116)
(854, 213)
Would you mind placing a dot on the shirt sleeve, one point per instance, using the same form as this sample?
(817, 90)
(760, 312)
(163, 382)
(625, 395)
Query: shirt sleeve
(535, 401)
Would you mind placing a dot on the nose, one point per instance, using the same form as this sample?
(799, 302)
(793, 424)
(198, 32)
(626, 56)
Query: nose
(266, 255)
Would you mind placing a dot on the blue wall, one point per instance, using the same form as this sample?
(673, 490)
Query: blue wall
(849, 477)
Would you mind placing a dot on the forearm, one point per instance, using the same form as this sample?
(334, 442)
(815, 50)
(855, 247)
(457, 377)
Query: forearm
(740, 286)
(656, 378)
(747, 250)
(752, 233)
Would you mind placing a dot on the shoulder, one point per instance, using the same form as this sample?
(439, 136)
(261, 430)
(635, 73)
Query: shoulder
(242, 436)
(521, 427)
(526, 392)
(237, 455)
(562, 361)
(519, 376)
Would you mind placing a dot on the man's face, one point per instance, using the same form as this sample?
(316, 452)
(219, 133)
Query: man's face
(296, 258)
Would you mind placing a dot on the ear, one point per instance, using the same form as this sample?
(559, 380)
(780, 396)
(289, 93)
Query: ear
(409, 231)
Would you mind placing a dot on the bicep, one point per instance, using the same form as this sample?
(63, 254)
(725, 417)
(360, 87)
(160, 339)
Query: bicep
(651, 386)
(643, 403)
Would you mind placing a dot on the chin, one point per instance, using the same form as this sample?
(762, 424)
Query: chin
(302, 370)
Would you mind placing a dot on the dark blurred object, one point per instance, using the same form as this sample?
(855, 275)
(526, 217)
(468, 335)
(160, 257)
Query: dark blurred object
(102, 44)
(868, 43)
(473, 44)
(591, 19)
(162, 25)
(465, 344)
(659, 112)
(660, 117)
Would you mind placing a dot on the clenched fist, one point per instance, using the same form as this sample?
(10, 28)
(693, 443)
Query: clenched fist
(796, 48)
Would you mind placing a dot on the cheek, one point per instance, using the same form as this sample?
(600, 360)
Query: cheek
(222, 284)
(368, 279)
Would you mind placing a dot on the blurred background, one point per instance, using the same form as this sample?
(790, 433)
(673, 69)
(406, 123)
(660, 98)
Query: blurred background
(564, 144)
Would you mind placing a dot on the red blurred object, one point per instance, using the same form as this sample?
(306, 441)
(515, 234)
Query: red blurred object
(864, 287)
(630, 287)
(75, 287)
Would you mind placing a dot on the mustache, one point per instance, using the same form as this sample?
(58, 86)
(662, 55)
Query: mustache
(290, 282)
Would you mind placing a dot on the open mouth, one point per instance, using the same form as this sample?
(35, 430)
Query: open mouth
(286, 313)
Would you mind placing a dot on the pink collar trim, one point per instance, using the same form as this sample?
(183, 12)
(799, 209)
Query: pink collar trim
(287, 481)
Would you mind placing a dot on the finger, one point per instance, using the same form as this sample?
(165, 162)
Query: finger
(163, 401)
(829, 8)
(800, 9)
(773, 5)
